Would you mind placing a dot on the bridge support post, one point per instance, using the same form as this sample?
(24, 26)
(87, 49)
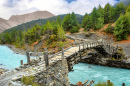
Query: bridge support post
(62, 53)
(87, 46)
(83, 47)
(79, 52)
(21, 62)
(28, 57)
(75, 57)
(90, 45)
(46, 57)
(123, 84)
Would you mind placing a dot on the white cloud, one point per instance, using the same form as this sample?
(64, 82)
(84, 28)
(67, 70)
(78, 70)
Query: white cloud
(56, 7)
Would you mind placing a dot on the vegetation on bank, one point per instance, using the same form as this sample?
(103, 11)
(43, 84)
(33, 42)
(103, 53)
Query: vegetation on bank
(104, 84)
(29, 80)
(55, 30)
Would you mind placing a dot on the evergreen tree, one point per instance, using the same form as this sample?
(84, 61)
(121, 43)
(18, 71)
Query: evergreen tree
(94, 17)
(100, 11)
(86, 23)
(107, 14)
(69, 22)
(60, 33)
(66, 23)
(119, 9)
(122, 28)
(58, 21)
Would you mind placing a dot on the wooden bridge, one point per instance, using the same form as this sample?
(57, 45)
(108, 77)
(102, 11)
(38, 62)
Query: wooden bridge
(76, 52)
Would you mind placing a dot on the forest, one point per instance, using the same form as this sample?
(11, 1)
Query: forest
(56, 28)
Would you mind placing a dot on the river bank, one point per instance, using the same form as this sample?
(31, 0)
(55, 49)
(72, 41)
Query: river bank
(23, 52)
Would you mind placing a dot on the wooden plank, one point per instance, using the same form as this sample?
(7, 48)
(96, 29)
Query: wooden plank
(90, 83)
(72, 63)
(85, 82)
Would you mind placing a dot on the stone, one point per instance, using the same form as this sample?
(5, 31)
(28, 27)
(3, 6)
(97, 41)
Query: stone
(18, 68)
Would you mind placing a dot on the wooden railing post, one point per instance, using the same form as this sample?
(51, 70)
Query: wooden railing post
(87, 46)
(62, 53)
(21, 62)
(123, 84)
(28, 57)
(46, 57)
(79, 51)
(90, 45)
(75, 57)
(83, 47)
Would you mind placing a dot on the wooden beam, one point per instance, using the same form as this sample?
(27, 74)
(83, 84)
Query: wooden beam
(85, 82)
(21, 62)
(79, 51)
(46, 57)
(62, 53)
(90, 83)
(28, 57)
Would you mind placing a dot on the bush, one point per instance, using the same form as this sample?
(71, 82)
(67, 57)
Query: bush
(104, 84)
(29, 81)
(54, 44)
(109, 29)
(74, 30)
(60, 44)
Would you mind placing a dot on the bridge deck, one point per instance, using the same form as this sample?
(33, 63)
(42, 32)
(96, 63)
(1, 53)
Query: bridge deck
(69, 52)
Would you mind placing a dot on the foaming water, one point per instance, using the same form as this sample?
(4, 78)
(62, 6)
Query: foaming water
(9, 59)
(83, 71)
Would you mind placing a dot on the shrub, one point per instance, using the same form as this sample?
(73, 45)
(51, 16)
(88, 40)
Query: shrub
(104, 84)
(54, 44)
(29, 81)
(74, 30)
(60, 44)
(109, 29)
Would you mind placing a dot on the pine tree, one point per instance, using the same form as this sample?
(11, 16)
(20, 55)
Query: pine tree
(94, 17)
(107, 15)
(86, 23)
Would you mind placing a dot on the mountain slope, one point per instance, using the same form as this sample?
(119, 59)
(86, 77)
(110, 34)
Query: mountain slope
(29, 25)
(4, 24)
(20, 19)
(125, 2)
(31, 16)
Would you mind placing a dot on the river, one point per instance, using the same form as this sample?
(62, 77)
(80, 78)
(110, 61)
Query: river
(83, 71)
(9, 59)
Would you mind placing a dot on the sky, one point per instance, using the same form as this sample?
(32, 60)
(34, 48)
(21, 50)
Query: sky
(56, 7)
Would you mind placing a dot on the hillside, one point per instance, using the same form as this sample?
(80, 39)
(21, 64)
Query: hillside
(28, 25)
(4, 24)
(125, 2)
(15, 20)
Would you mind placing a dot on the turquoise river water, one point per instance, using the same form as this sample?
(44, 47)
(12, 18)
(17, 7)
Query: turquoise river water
(83, 71)
(9, 59)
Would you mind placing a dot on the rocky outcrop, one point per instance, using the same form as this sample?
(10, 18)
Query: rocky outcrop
(107, 62)
(55, 75)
